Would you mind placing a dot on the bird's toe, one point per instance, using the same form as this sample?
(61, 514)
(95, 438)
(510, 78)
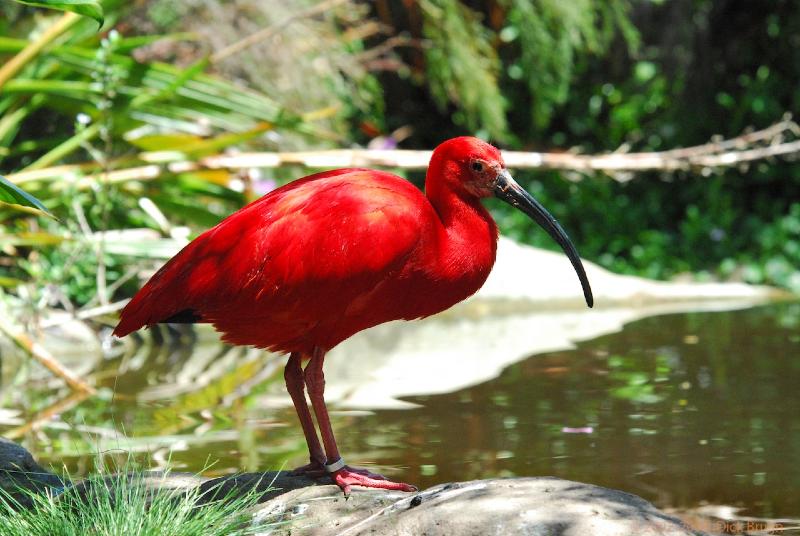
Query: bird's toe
(350, 476)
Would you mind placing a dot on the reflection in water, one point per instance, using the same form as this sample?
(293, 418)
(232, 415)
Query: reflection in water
(680, 409)
(684, 409)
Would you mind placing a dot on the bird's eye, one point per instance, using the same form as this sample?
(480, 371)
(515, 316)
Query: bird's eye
(477, 166)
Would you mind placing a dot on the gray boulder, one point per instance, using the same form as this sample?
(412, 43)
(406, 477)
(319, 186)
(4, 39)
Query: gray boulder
(537, 506)
(20, 472)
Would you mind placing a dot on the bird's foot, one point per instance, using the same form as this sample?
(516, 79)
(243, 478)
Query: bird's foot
(314, 469)
(351, 476)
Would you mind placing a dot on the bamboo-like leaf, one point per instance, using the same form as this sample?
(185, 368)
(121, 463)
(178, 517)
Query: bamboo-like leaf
(10, 282)
(87, 8)
(163, 142)
(35, 239)
(196, 147)
(14, 195)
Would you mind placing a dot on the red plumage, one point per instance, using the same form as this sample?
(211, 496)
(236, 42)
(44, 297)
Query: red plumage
(318, 260)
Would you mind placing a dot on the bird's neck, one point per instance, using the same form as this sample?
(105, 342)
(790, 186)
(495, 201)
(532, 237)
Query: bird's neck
(467, 242)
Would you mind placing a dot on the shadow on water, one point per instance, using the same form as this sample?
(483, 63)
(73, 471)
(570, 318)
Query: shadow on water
(683, 409)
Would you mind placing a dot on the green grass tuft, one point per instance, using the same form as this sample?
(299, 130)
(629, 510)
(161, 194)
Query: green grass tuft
(125, 505)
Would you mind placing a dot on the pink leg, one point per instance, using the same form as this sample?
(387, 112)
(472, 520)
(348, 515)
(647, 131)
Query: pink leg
(293, 374)
(343, 476)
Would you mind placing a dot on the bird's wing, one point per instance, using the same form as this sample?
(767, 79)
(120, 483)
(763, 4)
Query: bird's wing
(316, 243)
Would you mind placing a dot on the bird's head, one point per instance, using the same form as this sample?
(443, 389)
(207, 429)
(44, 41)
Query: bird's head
(467, 166)
(472, 168)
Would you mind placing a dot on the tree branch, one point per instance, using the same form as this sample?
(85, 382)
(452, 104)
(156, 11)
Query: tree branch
(778, 140)
(751, 146)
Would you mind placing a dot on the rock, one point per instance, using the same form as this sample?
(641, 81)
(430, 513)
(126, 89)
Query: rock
(271, 484)
(292, 505)
(525, 506)
(20, 472)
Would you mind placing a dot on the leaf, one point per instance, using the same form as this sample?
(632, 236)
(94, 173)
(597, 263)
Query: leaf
(14, 195)
(39, 239)
(87, 8)
(163, 142)
(463, 67)
(10, 282)
(211, 146)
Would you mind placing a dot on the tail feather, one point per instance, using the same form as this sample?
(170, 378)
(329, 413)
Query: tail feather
(159, 300)
(140, 312)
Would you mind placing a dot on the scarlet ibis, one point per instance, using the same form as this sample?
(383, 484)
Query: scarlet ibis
(311, 263)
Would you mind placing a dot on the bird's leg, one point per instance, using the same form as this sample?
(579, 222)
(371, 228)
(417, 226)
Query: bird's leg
(293, 374)
(343, 475)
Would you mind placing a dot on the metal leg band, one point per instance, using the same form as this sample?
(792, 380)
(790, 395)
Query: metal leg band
(335, 466)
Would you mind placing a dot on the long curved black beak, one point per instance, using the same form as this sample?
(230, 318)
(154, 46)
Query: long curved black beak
(512, 193)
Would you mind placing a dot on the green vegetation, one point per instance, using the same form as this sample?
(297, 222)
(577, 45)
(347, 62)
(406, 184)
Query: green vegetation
(87, 8)
(100, 126)
(540, 45)
(123, 504)
(655, 76)
(707, 70)
(92, 102)
(16, 198)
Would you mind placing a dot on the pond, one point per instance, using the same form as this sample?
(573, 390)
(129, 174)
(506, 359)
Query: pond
(682, 409)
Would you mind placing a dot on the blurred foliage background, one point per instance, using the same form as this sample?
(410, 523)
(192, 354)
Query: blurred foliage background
(170, 81)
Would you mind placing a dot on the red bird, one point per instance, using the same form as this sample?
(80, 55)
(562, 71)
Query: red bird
(313, 262)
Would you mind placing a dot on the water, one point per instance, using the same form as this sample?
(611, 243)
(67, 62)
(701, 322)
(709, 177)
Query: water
(683, 410)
